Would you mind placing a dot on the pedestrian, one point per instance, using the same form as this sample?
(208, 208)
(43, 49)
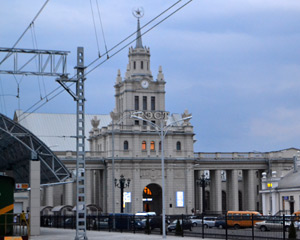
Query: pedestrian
(23, 218)
(27, 217)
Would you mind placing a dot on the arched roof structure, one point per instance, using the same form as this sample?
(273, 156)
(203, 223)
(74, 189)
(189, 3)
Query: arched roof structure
(18, 146)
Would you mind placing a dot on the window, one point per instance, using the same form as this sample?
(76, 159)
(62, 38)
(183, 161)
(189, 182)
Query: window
(142, 65)
(159, 146)
(144, 123)
(152, 103)
(152, 145)
(178, 146)
(136, 122)
(134, 65)
(136, 103)
(125, 145)
(144, 145)
(144, 103)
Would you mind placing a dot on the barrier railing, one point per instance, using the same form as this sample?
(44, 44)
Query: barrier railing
(12, 225)
(220, 226)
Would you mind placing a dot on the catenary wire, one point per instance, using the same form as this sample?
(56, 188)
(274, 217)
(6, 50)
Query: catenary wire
(95, 29)
(100, 20)
(22, 35)
(27, 114)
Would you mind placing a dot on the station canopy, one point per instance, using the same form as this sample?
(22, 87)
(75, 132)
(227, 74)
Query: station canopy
(18, 146)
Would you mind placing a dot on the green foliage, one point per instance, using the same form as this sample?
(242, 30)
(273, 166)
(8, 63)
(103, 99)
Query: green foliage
(178, 230)
(292, 231)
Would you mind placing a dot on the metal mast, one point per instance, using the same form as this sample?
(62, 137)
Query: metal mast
(80, 147)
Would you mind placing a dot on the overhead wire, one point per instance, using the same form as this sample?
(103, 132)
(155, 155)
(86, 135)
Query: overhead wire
(95, 29)
(122, 48)
(22, 35)
(155, 25)
(100, 20)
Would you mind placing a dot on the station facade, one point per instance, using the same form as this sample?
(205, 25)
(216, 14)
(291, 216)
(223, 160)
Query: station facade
(118, 144)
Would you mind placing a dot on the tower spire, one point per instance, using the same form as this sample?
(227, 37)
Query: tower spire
(139, 43)
(138, 13)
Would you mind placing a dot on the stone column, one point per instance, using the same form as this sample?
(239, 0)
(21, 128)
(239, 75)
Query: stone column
(249, 189)
(88, 187)
(232, 197)
(189, 198)
(49, 196)
(34, 203)
(274, 203)
(137, 191)
(68, 194)
(264, 204)
(215, 190)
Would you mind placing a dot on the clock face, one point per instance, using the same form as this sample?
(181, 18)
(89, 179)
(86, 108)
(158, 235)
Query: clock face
(144, 83)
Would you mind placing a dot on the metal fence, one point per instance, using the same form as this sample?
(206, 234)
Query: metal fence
(11, 225)
(198, 226)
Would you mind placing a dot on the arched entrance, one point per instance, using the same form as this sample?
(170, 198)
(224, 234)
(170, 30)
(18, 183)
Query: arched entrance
(152, 198)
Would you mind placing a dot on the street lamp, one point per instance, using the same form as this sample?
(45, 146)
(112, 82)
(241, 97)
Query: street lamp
(203, 182)
(123, 183)
(162, 132)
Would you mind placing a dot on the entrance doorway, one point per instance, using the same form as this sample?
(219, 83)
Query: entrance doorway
(152, 198)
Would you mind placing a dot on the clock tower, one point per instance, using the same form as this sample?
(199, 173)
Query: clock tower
(138, 91)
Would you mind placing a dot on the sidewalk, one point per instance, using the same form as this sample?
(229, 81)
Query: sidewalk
(68, 234)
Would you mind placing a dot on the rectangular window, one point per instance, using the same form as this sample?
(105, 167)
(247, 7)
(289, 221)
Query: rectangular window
(144, 103)
(136, 103)
(136, 122)
(142, 65)
(152, 103)
(144, 123)
(134, 65)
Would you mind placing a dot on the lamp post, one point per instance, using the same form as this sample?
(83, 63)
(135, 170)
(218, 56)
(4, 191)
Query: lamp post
(203, 182)
(162, 131)
(113, 114)
(123, 183)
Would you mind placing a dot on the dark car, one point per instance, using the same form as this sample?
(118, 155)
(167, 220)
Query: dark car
(187, 224)
(220, 222)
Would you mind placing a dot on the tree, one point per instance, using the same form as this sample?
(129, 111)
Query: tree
(292, 231)
(178, 229)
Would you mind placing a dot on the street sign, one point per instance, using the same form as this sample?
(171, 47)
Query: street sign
(22, 185)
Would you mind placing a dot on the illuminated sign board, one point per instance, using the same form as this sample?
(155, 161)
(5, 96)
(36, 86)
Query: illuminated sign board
(127, 197)
(180, 199)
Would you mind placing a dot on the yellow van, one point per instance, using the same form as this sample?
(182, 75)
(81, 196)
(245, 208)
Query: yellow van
(297, 214)
(238, 219)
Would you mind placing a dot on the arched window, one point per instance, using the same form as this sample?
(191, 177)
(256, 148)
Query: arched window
(178, 146)
(159, 146)
(152, 145)
(126, 145)
(144, 145)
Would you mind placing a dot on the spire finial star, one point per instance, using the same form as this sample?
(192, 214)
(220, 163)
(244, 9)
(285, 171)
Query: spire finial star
(138, 12)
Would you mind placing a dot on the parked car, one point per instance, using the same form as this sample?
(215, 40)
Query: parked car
(272, 225)
(220, 222)
(187, 224)
(101, 223)
(208, 222)
(196, 220)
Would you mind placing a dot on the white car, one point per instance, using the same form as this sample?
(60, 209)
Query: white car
(209, 222)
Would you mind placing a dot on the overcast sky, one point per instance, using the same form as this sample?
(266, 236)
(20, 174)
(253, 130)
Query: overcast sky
(235, 65)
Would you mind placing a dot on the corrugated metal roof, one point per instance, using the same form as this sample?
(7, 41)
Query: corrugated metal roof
(58, 130)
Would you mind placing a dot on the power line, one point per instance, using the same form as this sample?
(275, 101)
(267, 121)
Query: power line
(141, 36)
(115, 53)
(22, 35)
(95, 29)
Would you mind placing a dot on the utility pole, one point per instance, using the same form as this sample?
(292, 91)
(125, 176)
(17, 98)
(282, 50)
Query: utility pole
(80, 146)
